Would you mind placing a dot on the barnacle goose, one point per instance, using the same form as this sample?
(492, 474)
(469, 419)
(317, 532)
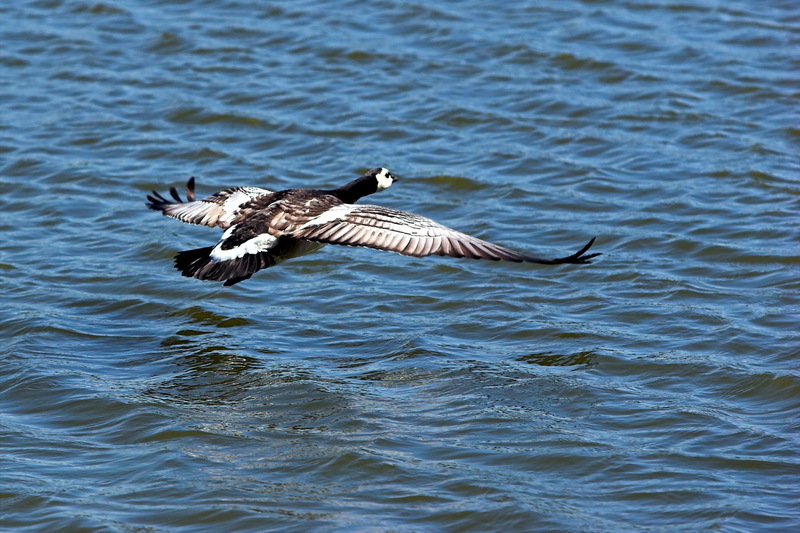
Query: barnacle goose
(264, 228)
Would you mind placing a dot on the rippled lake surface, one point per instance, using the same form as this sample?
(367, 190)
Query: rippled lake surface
(654, 390)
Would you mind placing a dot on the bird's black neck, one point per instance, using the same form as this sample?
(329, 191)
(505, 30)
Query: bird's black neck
(354, 190)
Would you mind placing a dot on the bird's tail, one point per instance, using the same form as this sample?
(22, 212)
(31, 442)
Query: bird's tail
(190, 262)
(198, 264)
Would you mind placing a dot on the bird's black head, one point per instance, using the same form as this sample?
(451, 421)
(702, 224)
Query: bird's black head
(383, 178)
(375, 180)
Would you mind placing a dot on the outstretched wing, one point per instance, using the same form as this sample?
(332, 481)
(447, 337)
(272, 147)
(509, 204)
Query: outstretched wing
(381, 228)
(217, 210)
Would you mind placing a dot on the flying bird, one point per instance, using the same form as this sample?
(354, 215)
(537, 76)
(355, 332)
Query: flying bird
(264, 228)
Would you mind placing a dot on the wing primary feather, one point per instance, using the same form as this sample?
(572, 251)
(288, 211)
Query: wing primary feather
(402, 244)
(427, 246)
(351, 235)
(338, 232)
(393, 242)
(411, 247)
(190, 190)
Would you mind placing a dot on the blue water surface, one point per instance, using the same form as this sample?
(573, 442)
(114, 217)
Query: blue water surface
(657, 389)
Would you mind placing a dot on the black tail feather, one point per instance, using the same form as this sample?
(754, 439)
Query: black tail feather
(198, 264)
(190, 262)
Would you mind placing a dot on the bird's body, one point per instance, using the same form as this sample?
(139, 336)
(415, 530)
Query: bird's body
(264, 228)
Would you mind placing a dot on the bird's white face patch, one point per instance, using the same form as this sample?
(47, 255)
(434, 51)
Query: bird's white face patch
(384, 179)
